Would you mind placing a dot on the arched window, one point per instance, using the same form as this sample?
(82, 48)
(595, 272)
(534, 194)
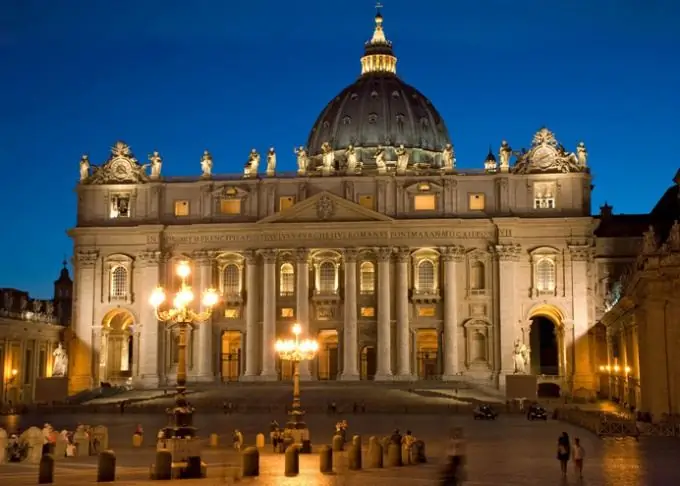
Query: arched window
(545, 275)
(426, 276)
(367, 278)
(477, 280)
(231, 280)
(287, 279)
(119, 282)
(327, 278)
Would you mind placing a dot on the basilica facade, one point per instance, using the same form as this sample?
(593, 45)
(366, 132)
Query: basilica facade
(400, 263)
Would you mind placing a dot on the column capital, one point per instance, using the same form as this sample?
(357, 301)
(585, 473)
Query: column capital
(383, 253)
(402, 254)
(203, 257)
(87, 258)
(269, 256)
(149, 258)
(250, 256)
(350, 254)
(301, 255)
(508, 253)
(454, 253)
(580, 253)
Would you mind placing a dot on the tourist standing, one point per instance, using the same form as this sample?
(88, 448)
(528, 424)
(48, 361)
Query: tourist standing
(578, 455)
(563, 452)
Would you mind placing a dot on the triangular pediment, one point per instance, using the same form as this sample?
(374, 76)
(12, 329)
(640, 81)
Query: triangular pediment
(324, 207)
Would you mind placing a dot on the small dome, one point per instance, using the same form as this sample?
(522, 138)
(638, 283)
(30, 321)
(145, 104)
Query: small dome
(379, 109)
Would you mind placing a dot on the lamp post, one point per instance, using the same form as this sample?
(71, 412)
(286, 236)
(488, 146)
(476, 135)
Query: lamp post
(294, 350)
(181, 315)
(10, 379)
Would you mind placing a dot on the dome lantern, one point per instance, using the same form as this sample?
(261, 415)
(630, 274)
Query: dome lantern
(378, 55)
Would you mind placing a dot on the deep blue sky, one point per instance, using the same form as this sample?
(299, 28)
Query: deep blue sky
(180, 77)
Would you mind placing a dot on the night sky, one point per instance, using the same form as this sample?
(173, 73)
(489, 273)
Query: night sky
(181, 77)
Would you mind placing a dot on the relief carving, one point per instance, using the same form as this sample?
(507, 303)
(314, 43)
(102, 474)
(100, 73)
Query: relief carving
(508, 253)
(87, 258)
(383, 253)
(454, 253)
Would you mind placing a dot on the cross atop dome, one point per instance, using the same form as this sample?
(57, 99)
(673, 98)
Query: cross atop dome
(378, 56)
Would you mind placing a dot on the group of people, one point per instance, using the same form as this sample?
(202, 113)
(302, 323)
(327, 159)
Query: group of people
(567, 451)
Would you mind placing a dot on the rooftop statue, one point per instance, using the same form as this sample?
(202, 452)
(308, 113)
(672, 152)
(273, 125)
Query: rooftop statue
(156, 163)
(84, 168)
(402, 159)
(504, 155)
(253, 163)
(302, 160)
(206, 165)
(380, 160)
(327, 158)
(448, 158)
(582, 155)
(271, 162)
(351, 155)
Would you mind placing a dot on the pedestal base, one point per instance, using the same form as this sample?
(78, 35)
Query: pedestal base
(383, 377)
(349, 377)
(403, 378)
(273, 376)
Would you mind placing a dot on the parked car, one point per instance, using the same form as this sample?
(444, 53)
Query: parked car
(484, 412)
(536, 412)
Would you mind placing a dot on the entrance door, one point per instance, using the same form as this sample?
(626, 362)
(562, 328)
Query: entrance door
(368, 363)
(231, 355)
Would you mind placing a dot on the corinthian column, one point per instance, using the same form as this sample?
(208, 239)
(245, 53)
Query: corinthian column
(302, 300)
(149, 335)
(269, 316)
(403, 326)
(452, 256)
(252, 317)
(350, 368)
(205, 353)
(82, 350)
(384, 365)
(584, 373)
(508, 256)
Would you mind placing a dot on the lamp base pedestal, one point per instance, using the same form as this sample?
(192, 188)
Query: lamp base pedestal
(180, 439)
(297, 429)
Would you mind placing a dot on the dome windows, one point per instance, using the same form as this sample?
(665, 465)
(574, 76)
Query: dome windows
(372, 118)
(326, 124)
(374, 94)
(395, 95)
(354, 96)
(346, 120)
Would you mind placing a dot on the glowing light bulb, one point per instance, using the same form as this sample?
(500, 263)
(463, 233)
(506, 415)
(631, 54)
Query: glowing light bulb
(297, 329)
(627, 369)
(210, 298)
(157, 297)
(183, 269)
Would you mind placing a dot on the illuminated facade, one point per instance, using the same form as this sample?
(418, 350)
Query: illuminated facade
(640, 281)
(402, 265)
(30, 330)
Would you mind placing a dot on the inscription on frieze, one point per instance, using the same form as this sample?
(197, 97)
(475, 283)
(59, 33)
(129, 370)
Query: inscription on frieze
(283, 236)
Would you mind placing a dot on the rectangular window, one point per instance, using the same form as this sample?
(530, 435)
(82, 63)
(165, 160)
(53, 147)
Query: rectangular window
(120, 206)
(325, 313)
(285, 202)
(426, 311)
(181, 208)
(368, 312)
(232, 313)
(366, 201)
(544, 203)
(476, 202)
(230, 206)
(287, 312)
(28, 364)
(425, 202)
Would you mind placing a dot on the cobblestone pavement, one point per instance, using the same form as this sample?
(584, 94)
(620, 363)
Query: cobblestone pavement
(510, 451)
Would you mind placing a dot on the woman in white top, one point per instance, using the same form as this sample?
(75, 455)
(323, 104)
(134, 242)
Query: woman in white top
(577, 454)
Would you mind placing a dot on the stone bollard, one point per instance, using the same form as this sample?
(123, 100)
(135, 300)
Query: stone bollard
(338, 443)
(250, 462)
(137, 440)
(354, 457)
(375, 453)
(393, 455)
(326, 459)
(259, 441)
(106, 469)
(214, 440)
(162, 468)
(306, 447)
(385, 443)
(292, 460)
(405, 455)
(3, 446)
(46, 470)
(356, 441)
(418, 452)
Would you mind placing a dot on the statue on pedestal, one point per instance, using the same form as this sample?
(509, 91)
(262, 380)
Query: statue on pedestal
(271, 162)
(402, 159)
(380, 160)
(60, 365)
(156, 163)
(520, 354)
(251, 166)
(448, 158)
(351, 155)
(302, 160)
(206, 165)
(582, 155)
(504, 155)
(84, 168)
(328, 158)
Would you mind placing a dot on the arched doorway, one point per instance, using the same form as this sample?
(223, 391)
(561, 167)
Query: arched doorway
(545, 341)
(231, 355)
(427, 345)
(327, 358)
(368, 362)
(117, 346)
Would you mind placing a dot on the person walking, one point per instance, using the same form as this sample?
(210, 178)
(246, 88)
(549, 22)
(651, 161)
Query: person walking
(563, 452)
(578, 455)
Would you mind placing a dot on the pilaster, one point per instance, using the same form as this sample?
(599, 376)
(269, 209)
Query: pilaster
(583, 372)
(204, 370)
(268, 372)
(81, 349)
(384, 358)
(252, 317)
(402, 257)
(148, 358)
(508, 257)
(350, 368)
(452, 256)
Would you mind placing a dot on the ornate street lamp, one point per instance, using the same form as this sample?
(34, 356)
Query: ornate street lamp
(181, 315)
(294, 350)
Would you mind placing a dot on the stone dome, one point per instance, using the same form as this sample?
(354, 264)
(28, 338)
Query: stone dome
(379, 109)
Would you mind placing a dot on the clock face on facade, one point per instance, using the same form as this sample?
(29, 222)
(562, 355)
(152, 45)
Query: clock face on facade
(543, 158)
(120, 169)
